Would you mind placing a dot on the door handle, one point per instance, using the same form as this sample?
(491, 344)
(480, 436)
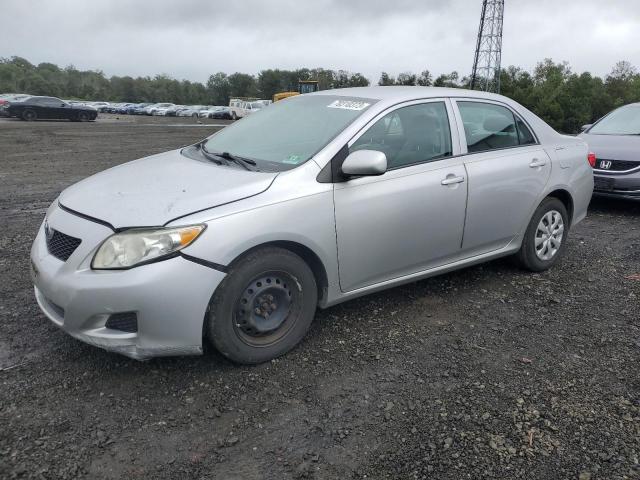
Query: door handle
(537, 163)
(451, 179)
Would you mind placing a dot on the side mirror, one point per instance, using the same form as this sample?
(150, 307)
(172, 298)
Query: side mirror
(585, 127)
(365, 162)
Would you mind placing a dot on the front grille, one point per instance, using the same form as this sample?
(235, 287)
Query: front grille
(125, 322)
(603, 184)
(61, 245)
(616, 165)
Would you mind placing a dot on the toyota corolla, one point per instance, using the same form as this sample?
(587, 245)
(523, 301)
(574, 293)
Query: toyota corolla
(318, 199)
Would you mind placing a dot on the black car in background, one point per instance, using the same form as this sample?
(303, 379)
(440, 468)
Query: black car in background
(223, 113)
(34, 108)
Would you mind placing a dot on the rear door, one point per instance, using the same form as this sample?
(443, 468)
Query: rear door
(507, 168)
(410, 218)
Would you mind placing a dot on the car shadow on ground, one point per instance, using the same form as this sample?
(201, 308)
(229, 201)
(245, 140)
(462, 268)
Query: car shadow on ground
(617, 206)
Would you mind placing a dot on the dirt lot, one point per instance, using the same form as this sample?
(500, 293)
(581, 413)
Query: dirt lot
(487, 373)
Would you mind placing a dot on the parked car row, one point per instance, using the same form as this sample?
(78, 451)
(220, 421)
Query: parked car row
(238, 108)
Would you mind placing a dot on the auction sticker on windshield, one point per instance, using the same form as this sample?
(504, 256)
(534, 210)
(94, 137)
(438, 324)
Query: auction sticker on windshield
(349, 105)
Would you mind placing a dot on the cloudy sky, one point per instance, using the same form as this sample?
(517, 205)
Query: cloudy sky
(194, 38)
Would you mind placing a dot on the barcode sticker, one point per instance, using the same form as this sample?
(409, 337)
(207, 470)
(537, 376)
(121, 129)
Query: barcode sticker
(349, 105)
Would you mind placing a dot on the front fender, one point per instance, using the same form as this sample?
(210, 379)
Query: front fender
(307, 221)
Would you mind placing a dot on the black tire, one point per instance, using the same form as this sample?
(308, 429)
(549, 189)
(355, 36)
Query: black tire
(527, 257)
(234, 116)
(29, 115)
(289, 286)
(83, 117)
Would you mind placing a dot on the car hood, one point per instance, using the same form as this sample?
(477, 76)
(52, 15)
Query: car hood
(156, 190)
(614, 147)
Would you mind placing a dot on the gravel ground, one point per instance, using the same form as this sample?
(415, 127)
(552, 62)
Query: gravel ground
(486, 373)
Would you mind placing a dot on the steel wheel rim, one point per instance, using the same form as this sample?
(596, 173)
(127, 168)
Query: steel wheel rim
(267, 308)
(549, 233)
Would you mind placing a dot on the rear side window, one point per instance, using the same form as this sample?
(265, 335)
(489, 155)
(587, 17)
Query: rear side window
(409, 135)
(524, 134)
(51, 102)
(491, 127)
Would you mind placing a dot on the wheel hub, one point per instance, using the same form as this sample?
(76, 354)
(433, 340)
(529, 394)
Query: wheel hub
(549, 235)
(264, 305)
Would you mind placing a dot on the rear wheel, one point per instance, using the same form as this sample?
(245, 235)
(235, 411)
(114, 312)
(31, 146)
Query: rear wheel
(264, 307)
(545, 237)
(29, 115)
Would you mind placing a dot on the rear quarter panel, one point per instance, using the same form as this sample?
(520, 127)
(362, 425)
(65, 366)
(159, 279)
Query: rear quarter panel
(571, 172)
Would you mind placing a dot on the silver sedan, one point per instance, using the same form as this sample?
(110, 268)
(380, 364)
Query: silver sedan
(614, 143)
(315, 200)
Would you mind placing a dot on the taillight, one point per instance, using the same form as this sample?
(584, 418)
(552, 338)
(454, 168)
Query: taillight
(591, 157)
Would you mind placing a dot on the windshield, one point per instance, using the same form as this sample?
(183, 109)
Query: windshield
(291, 131)
(623, 121)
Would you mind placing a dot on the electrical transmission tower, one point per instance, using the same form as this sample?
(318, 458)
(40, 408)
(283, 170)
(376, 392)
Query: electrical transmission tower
(486, 63)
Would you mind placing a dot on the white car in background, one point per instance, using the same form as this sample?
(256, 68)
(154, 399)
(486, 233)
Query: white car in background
(241, 108)
(237, 108)
(192, 111)
(252, 107)
(99, 105)
(160, 109)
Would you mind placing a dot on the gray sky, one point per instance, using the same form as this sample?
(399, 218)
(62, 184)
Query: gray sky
(194, 38)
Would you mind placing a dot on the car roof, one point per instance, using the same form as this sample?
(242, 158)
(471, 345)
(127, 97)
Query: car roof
(406, 93)
(389, 95)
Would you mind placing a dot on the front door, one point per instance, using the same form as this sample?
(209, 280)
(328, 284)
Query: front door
(411, 218)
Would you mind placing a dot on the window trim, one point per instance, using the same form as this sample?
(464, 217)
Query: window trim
(463, 135)
(453, 130)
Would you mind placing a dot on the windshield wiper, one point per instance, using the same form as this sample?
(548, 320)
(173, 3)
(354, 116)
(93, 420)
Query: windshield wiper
(245, 163)
(210, 156)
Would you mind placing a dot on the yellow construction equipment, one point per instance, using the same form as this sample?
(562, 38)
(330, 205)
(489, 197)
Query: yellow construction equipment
(304, 86)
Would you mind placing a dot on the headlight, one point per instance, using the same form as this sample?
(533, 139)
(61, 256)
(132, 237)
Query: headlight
(138, 246)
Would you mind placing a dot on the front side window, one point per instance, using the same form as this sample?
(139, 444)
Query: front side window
(489, 127)
(289, 132)
(409, 135)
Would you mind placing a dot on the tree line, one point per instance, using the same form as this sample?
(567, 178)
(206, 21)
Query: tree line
(564, 99)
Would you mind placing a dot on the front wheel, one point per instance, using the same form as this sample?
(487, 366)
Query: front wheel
(263, 307)
(83, 117)
(545, 237)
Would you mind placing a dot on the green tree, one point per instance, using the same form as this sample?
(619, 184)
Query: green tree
(386, 80)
